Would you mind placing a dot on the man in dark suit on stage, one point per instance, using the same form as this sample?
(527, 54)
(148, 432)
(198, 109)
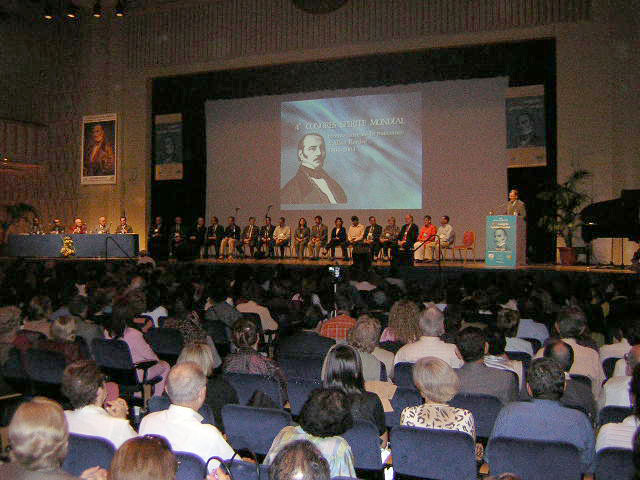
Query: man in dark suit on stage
(408, 236)
(266, 237)
(215, 233)
(158, 246)
(250, 236)
(372, 236)
(312, 184)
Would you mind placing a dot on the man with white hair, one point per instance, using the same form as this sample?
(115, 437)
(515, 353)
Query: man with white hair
(429, 344)
(180, 424)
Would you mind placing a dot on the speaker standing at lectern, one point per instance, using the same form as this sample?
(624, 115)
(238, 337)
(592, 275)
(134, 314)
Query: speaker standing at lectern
(515, 206)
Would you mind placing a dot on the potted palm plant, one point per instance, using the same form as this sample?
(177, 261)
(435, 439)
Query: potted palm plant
(565, 203)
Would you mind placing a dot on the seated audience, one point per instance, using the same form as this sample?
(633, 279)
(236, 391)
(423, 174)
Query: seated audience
(497, 358)
(248, 303)
(338, 327)
(324, 417)
(246, 359)
(123, 327)
(63, 340)
(364, 338)
(144, 458)
(615, 391)
(184, 318)
(299, 460)
(631, 332)
(544, 418)
(622, 327)
(219, 309)
(507, 322)
(475, 376)
(620, 435)
(403, 323)
(84, 385)
(86, 328)
(307, 341)
(576, 393)
(39, 440)
(219, 392)
(438, 383)
(570, 325)
(431, 323)
(343, 369)
(180, 424)
(38, 315)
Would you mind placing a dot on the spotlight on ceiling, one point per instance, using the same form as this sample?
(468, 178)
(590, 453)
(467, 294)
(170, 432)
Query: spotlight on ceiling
(47, 13)
(97, 9)
(72, 12)
(120, 9)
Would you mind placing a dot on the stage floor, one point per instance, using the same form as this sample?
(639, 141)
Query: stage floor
(447, 265)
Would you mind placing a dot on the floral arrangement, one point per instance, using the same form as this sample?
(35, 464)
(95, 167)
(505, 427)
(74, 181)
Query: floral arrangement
(67, 247)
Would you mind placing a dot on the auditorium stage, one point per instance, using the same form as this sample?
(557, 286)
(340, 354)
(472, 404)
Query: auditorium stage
(447, 266)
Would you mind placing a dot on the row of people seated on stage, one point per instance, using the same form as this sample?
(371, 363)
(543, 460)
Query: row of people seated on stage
(79, 227)
(268, 240)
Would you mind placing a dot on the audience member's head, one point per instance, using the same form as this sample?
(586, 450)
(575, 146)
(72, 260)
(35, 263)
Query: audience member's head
(312, 317)
(561, 352)
(244, 333)
(200, 354)
(144, 458)
(632, 358)
(63, 329)
(9, 323)
(505, 476)
(327, 413)
(471, 342)
(299, 460)
(365, 334)
(39, 435)
(342, 369)
(496, 342)
(187, 385)
(507, 320)
(545, 379)
(40, 307)
(435, 379)
(83, 384)
(403, 321)
(570, 323)
(631, 328)
(431, 322)
(78, 306)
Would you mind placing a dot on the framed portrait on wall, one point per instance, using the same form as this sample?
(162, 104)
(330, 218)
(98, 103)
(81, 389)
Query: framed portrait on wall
(99, 151)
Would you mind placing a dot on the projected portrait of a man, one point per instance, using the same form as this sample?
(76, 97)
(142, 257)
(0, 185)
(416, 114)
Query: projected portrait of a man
(312, 184)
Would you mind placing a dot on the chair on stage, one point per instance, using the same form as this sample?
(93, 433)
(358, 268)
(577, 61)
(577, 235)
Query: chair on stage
(468, 244)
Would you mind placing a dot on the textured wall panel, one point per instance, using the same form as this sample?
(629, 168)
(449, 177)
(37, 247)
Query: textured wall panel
(199, 33)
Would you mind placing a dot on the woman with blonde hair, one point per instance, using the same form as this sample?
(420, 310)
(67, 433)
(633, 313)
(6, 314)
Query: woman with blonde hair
(403, 323)
(39, 439)
(219, 392)
(63, 340)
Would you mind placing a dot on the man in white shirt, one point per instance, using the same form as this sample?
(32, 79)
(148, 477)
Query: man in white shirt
(180, 424)
(247, 304)
(446, 237)
(615, 391)
(282, 235)
(429, 344)
(83, 385)
(620, 435)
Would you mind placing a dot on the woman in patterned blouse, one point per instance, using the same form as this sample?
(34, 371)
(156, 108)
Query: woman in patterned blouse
(438, 383)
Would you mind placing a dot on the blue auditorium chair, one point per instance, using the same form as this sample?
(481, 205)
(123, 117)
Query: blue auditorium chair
(253, 428)
(85, 452)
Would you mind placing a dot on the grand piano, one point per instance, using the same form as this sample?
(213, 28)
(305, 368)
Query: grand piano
(617, 218)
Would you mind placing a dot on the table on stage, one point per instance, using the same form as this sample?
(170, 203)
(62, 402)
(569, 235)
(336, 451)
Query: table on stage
(86, 245)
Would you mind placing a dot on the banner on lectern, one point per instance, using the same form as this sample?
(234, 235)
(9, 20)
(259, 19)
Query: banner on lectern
(501, 241)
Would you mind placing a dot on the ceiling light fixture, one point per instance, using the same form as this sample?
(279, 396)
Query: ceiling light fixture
(72, 12)
(97, 9)
(120, 9)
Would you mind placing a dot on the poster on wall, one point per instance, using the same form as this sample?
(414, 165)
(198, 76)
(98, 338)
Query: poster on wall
(526, 132)
(168, 147)
(99, 149)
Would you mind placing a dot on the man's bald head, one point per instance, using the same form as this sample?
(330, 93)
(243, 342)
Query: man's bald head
(185, 384)
(561, 352)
